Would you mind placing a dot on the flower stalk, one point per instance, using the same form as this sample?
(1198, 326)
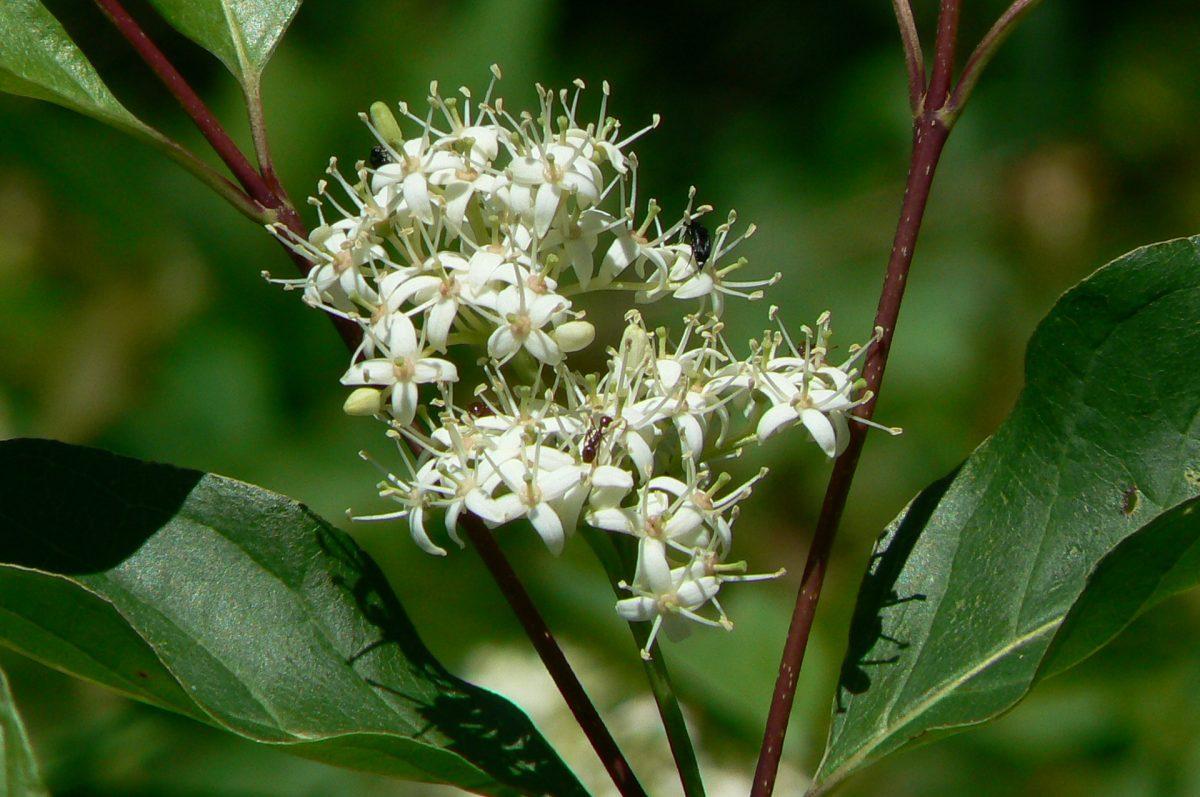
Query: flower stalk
(615, 562)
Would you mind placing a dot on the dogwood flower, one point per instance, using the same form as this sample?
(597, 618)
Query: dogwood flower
(474, 239)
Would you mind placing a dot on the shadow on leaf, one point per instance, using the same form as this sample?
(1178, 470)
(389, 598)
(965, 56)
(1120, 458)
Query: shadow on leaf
(869, 645)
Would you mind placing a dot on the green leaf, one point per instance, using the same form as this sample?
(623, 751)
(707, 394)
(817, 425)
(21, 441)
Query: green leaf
(240, 608)
(39, 60)
(21, 777)
(242, 33)
(1151, 565)
(969, 586)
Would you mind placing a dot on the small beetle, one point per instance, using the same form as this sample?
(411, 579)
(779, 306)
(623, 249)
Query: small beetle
(700, 241)
(379, 156)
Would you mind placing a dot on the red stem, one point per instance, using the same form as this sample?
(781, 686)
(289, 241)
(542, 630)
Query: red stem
(191, 102)
(929, 138)
(552, 657)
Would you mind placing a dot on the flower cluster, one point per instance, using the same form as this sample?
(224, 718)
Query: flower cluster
(484, 229)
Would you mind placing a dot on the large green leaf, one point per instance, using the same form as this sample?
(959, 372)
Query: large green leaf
(242, 33)
(240, 608)
(39, 60)
(968, 587)
(20, 772)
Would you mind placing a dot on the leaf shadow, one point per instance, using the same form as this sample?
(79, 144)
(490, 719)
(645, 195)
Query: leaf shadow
(878, 592)
(480, 725)
(76, 518)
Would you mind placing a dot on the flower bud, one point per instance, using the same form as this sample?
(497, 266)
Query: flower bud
(636, 344)
(363, 401)
(574, 335)
(385, 123)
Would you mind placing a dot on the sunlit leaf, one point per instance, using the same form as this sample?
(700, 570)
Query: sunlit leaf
(242, 33)
(240, 608)
(39, 60)
(1149, 566)
(20, 769)
(970, 585)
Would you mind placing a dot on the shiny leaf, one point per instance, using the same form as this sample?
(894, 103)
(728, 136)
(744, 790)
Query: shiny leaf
(970, 585)
(240, 608)
(242, 33)
(39, 60)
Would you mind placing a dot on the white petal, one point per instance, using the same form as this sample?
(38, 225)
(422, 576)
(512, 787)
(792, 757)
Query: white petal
(441, 318)
(401, 340)
(404, 402)
(580, 255)
(416, 194)
(668, 484)
(692, 432)
(483, 267)
(416, 525)
(637, 610)
(841, 429)
(694, 288)
(611, 477)
(433, 369)
(695, 592)
(547, 524)
(683, 523)
(775, 419)
(545, 205)
(640, 453)
(458, 195)
(821, 430)
(502, 343)
(452, 512)
(620, 254)
(669, 372)
(619, 520)
(653, 570)
(554, 484)
(370, 372)
(543, 347)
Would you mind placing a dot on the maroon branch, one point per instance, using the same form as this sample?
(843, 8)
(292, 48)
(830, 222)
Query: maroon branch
(930, 131)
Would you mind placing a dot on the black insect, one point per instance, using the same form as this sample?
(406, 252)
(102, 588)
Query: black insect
(379, 156)
(700, 241)
(480, 409)
(591, 443)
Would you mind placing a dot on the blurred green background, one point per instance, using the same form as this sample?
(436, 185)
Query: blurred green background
(134, 319)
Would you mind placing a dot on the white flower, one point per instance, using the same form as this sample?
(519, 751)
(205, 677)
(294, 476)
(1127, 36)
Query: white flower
(540, 484)
(408, 177)
(415, 496)
(667, 596)
(402, 369)
(525, 313)
(660, 513)
(487, 229)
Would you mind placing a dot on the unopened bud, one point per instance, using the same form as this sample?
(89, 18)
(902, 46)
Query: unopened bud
(385, 123)
(636, 343)
(574, 335)
(363, 401)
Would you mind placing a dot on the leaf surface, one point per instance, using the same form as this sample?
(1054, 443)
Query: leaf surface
(39, 60)
(19, 766)
(240, 608)
(242, 33)
(969, 587)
